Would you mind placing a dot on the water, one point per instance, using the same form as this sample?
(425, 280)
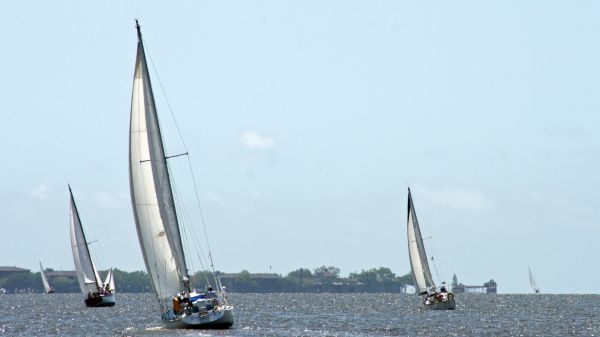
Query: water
(312, 315)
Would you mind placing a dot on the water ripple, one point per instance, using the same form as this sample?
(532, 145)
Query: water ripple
(312, 315)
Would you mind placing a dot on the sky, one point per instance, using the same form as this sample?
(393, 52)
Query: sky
(305, 123)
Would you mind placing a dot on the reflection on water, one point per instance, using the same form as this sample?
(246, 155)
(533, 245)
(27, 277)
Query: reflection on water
(312, 315)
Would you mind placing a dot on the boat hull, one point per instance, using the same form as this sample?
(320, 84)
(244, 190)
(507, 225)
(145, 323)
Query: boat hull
(449, 304)
(101, 301)
(214, 319)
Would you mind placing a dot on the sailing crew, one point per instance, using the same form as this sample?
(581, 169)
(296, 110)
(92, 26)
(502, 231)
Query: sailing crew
(210, 293)
(176, 305)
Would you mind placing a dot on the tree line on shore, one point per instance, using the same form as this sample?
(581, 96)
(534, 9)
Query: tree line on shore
(321, 279)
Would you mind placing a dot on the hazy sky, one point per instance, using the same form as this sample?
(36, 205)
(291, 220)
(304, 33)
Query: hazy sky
(306, 121)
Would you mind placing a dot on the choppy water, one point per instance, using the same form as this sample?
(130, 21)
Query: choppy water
(313, 315)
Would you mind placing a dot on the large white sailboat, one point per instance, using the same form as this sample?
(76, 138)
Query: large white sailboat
(534, 286)
(433, 298)
(156, 217)
(47, 288)
(97, 293)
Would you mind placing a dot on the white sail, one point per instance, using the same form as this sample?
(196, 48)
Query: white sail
(110, 280)
(416, 251)
(151, 194)
(44, 279)
(534, 286)
(87, 274)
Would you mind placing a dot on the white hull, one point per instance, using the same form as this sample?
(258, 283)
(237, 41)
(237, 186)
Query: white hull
(449, 304)
(214, 319)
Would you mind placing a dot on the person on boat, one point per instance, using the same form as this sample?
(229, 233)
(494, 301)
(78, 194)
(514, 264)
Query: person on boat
(176, 305)
(442, 294)
(107, 289)
(210, 292)
(89, 294)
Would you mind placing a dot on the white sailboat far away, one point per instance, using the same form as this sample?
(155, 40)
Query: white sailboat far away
(156, 218)
(425, 287)
(97, 293)
(534, 286)
(47, 288)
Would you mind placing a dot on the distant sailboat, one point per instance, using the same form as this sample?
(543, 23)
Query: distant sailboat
(47, 288)
(156, 218)
(97, 294)
(425, 287)
(110, 280)
(534, 286)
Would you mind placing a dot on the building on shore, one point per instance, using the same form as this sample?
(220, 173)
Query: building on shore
(6, 271)
(487, 288)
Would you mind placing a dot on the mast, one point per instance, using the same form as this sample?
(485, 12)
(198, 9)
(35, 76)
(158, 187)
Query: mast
(151, 192)
(416, 251)
(87, 273)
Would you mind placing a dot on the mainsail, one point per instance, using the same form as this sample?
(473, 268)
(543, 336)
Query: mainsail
(151, 194)
(534, 286)
(416, 251)
(87, 274)
(44, 279)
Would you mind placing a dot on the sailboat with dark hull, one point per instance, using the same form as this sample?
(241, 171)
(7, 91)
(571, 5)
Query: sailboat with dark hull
(156, 217)
(433, 298)
(97, 293)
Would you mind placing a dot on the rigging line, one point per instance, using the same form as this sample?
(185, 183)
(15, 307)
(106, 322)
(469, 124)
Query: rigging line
(183, 216)
(203, 271)
(178, 204)
(186, 150)
(162, 88)
(434, 251)
(437, 274)
(194, 239)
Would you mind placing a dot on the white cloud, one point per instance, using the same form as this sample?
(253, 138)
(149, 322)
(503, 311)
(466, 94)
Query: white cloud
(253, 140)
(547, 198)
(456, 198)
(40, 192)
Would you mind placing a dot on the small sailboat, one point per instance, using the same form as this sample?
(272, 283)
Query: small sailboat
(47, 288)
(156, 217)
(97, 293)
(425, 287)
(534, 286)
(110, 281)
